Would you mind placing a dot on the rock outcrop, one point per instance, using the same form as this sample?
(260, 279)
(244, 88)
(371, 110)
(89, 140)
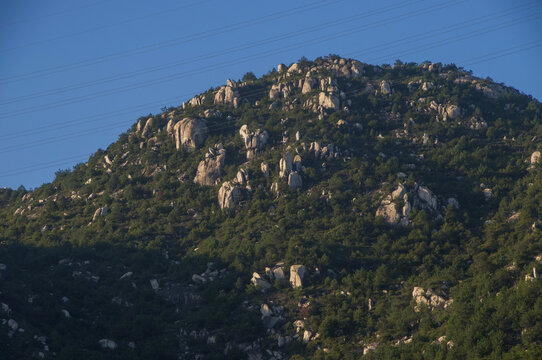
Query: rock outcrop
(210, 169)
(388, 209)
(254, 141)
(257, 280)
(294, 180)
(285, 165)
(100, 212)
(228, 195)
(428, 298)
(190, 133)
(535, 157)
(228, 94)
(385, 87)
(297, 274)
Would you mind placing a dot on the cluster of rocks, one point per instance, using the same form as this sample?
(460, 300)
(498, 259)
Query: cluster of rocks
(429, 298)
(228, 94)
(276, 273)
(144, 127)
(209, 275)
(424, 85)
(254, 141)
(529, 277)
(418, 196)
(271, 315)
(286, 171)
(210, 169)
(489, 89)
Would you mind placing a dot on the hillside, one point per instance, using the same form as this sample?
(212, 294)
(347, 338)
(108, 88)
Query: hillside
(330, 209)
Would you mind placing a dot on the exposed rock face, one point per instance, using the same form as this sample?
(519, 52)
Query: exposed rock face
(190, 133)
(427, 195)
(228, 195)
(108, 344)
(297, 273)
(254, 141)
(535, 157)
(385, 87)
(285, 165)
(280, 90)
(453, 111)
(294, 69)
(265, 168)
(329, 101)
(388, 210)
(294, 180)
(428, 298)
(281, 68)
(242, 177)
(147, 130)
(100, 212)
(228, 94)
(210, 169)
(308, 85)
(257, 280)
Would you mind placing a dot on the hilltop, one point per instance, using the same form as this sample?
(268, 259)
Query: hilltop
(330, 209)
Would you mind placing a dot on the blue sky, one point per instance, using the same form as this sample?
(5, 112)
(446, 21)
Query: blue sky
(75, 74)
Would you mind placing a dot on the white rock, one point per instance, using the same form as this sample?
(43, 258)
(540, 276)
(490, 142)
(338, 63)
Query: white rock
(297, 273)
(535, 157)
(190, 133)
(385, 87)
(13, 325)
(307, 336)
(66, 313)
(154, 284)
(285, 165)
(108, 344)
(228, 195)
(258, 281)
(128, 274)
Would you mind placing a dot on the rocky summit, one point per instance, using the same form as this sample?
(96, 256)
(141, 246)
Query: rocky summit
(330, 209)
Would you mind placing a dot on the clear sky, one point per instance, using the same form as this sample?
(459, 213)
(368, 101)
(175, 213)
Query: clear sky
(75, 74)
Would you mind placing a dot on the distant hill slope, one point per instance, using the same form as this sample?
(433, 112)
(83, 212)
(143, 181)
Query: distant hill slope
(328, 210)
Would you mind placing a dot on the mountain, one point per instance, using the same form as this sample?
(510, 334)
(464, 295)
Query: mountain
(331, 209)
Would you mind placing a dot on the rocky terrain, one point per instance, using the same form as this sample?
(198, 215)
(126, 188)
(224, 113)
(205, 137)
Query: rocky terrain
(330, 209)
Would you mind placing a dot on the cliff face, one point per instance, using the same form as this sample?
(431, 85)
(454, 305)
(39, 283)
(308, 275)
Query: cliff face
(404, 201)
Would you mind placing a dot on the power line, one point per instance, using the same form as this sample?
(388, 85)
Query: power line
(502, 53)
(214, 54)
(466, 36)
(113, 25)
(31, 168)
(52, 14)
(55, 126)
(177, 76)
(164, 44)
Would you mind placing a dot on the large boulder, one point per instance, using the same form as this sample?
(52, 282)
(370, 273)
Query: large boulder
(228, 195)
(257, 280)
(453, 111)
(428, 197)
(329, 101)
(285, 165)
(210, 169)
(190, 133)
(308, 85)
(535, 157)
(297, 273)
(294, 180)
(147, 130)
(385, 87)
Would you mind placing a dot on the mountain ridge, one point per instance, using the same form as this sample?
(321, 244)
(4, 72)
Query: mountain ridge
(393, 197)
